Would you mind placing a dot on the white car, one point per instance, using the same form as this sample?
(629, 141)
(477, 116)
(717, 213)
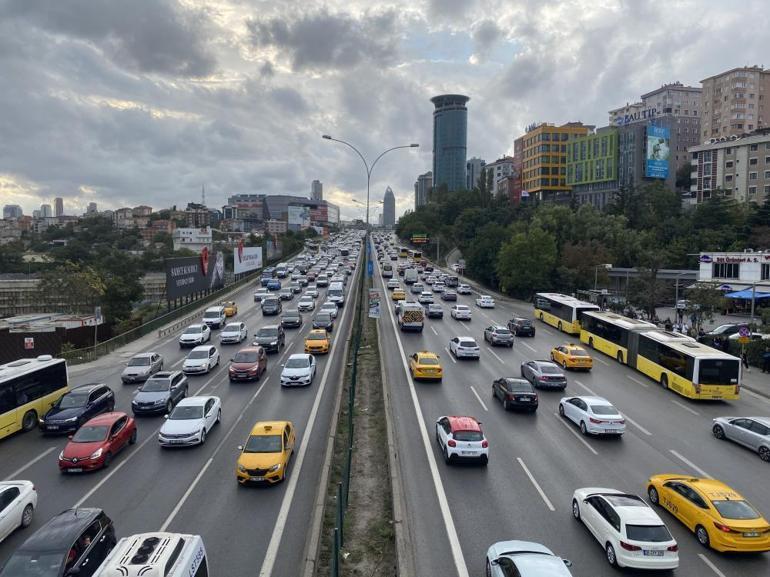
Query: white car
(329, 307)
(312, 290)
(306, 304)
(485, 302)
(464, 289)
(630, 532)
(438, 287)
(525, 559)
(461, 438)
(417, 288)
(460, 312)
(299, 370)
(393, 284)
(261, 294)
(425, 298)
(201, 360)
(464, 348)
(234, 333)
(195, 335)
(190, 421)
(594, 415)
(18, 501)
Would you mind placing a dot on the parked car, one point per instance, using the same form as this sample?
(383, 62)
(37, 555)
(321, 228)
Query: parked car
(497, 335)
(271, 337)
(95, 444)
(248, 364)
(751, 432)
(201, 360)
(18, 501)
(190, 421)
(544, 374)
(234, 333)
(515, 393)
(521, 327)
(160, 393)
(141, 367)
(194, 335)
(76, 407)
(291, 318)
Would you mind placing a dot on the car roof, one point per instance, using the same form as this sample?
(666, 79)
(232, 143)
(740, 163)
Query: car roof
(195, 401)
(59, 533)
(427, 354)
(268, 427)
(86, 388)
(594, 400)
(300, 356)
(249, 349)
(196, 326)
(164, 374)
(105, 418)
(571, 346)
(143, 355)
(203, 348)
(269, 327)
(545, 362)
(457, 423)
(318, 332)
(714, 489)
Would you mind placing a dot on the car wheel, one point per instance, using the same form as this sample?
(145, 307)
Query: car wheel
(620, 357)
(664, 381)
(505, 405)
(447, 458)
(703, 536)
(591, 342)
(561, 410)
(564, 364)
(111, 407)
(488, 569)
(203, 436)
(575, 509)
(764, 454)
(29, 421)
(583, 428)
(652, 493)
(26, 516)
(718, 431)
(611, 559)
(107, 460)
(132, 438)
(219, 416)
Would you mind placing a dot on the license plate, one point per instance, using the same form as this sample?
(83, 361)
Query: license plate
(53, 427)
(256, 478)
(469, 453)
(175, 441)
(751, 534)
(75, 470)
(652, 553)
(523, 399)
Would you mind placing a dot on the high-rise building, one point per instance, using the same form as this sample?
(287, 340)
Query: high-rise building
(473, 170)
(45, 211)
(592, 167)
(316, 190)
(91, 208)
(422, 189)
(37, 214)
(734, 102)
(12, 211)
(450, 136)
(544, 159)
(389, 208)
(58, 206)
(197, 215)
(499, 169)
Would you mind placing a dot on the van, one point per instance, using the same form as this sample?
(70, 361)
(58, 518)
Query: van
(156, 555)
(410, 276)
(215, 317)
(336, 294)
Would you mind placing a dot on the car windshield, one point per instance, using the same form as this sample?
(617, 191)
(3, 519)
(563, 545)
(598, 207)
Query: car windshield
(73, 400)
(245, 357)
(428, 361)
(90, 434)
(192, 330)
(139, 362)
(468, 436)
(186, 412)
(324, 318)
(549, 370)
(648, 533)
(198, 354)
(461, 308)
(155, 386)
(232, 328)
(316, 337)
(271, 332)
(263, 444)
(301, 363)
(211, 314)
(735, 509)
(34, 564)
(523, 322)
(270, 302)
(604, 410)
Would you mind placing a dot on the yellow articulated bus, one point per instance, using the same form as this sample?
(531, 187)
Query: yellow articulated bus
(414, 254)
(609, 332)
(28, 389)
(403, 252)
(561, 311)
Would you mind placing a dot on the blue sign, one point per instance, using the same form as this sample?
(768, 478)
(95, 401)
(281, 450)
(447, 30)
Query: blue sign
(658, 152)
(370, 269)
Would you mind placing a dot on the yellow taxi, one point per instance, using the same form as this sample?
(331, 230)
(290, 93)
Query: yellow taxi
(398, 295)
(718, 515)
(317, 341)
(572, 356)
(231, 309)
(425, 365)
(266, 454)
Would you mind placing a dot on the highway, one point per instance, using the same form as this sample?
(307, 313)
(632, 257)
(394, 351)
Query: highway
(247, 530)
(537, 460)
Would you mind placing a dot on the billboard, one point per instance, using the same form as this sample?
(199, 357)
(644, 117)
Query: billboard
(191, 274)
(299, 217)
(246, 258)
(658, 152)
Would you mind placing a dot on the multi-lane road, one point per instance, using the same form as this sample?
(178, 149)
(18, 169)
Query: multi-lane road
(247, 530)
(537, 460)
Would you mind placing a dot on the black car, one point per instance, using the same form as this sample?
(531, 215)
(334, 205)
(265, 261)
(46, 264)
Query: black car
(271, 337)
(271, 306)
(544, 374)
(74, 542)
(324, 321)
(291, 319)
(521, 327)
(448, 296)
(160, 393)
(286, 294)
(515, 394)
(76, 407)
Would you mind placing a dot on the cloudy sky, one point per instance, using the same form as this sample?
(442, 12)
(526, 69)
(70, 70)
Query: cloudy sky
(127, 102)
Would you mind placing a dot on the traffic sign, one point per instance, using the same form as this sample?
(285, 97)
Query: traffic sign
(743, 331)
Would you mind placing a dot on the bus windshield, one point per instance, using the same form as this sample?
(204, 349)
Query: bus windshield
(718, 371)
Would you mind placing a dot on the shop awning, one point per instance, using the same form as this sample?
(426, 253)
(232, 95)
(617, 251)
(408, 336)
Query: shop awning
(745, 294)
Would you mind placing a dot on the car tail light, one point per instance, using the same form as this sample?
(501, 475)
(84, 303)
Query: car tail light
(723, 528)
(673, 547)
(629, 547)
(595, 421)
(451, 443)
(622, 421)
(484, 444)
(510, 397)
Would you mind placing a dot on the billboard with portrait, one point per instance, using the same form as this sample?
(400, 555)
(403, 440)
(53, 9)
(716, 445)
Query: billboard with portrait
(658, 152)
(299, 217)
(192, 274)
(246, 258)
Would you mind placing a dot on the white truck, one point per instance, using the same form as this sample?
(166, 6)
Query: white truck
(411, 316)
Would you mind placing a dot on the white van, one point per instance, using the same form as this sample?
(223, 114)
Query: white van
(336, 294)
(214, 317)
(156, 555)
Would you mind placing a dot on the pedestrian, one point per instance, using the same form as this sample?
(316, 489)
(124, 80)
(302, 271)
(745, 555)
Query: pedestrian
(745, 360)
(667, 325)
(766, 360)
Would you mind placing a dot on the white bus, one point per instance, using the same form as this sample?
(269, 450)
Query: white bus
(561, 311)
(156, 555)
(28, 389)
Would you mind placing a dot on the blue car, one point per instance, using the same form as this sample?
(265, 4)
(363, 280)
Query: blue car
(76, 407)
(273, 284)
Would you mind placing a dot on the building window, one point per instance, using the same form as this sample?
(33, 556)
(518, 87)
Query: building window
(767, 159)
(725, 270)
(729, 164)
(728, 178)
(752, 190)
(753, 147)
(767, 189)
(707, 183)
(753, 161)
(752, 176)
(728, 150)
(765, 271)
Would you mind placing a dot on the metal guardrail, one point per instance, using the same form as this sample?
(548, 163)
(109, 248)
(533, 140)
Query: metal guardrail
(179, 324)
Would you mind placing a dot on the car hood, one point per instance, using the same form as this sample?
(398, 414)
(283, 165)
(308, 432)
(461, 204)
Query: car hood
(266, 340)
(148, 397)
(243, 366)
(136, 370)
(56, 414)
(259, 460)
(195, 362)
(182, 426)
(230, 334)
(301, 372)
(190, 336)
(81, 450)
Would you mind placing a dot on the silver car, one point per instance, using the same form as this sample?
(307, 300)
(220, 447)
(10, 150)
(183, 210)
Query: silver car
(141, 367)
(751, 432)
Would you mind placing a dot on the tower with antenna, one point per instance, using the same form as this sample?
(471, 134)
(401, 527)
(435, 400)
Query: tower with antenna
(203, 194)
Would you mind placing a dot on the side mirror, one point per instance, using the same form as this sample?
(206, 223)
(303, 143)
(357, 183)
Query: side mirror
(240, 447)
(165, 416)
(494, 562)
(567, 562)
(69, 437)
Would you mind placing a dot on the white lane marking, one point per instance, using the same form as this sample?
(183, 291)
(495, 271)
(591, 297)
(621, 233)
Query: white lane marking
(686, 408)
(207, 383)
(575, 433)
(450, 355)
(689, 463)
(446, 514)
(602, 361)
(625, 416)
(486, 316)
(17, 472)
(537, 485)
(434, 331)
(286, 349)
(181, 359)
(710, 565)
(531, 348)
(479, 399)
(590, 392)
(288, 498)
(637, 381)
(494, 354)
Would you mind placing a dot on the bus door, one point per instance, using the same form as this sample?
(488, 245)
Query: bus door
(633, 348)
(8, 412)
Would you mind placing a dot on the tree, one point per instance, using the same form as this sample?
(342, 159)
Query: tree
(481, 255)
(704, 299)
(526, 262)
(683, 176)
(71, 288)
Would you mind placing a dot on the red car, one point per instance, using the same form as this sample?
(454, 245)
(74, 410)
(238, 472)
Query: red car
(96, 442)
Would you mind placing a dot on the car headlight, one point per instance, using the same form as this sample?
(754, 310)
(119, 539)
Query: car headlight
(160, 402)
(96, 454)
(275, 467)
(61, 455)
(71, 420)
(274, 343)
(241, 469)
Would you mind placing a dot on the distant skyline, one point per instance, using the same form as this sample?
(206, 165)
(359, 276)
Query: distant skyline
(102, 105)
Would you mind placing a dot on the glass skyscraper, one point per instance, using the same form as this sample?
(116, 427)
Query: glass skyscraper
(450, 136)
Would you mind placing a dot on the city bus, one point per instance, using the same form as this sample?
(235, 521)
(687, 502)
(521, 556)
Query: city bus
(415, 254)
(561, 311)
(403, 252)
(28, 389)
(609, 332)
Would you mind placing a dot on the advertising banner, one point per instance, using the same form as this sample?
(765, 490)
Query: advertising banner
(191, 274)
(658, 152)
(299, 217)
(246, 258)
(374, 304)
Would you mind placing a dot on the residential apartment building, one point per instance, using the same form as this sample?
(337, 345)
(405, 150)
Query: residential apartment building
(193, 239)
(197, 215)
(274, 226)
(735, 102)
(592, 167)
(500, 169)
(473, 171)
(735, 167)
(544, 159)
(422, 187)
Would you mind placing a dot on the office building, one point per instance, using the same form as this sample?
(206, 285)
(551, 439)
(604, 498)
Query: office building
(36, 214)
(450, 135)
(734, 102)
(46, 211)
(474, 168)
(316, 190)
(737, 271)
(193, 239)
(12, 211)
(58, 206)
(544, 159)
(422, 189)
(592, 167)
(499, 170)
(389, 208)
(737, 168)
(91, 208)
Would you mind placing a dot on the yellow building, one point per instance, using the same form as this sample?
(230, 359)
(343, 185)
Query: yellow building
(543, 161)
